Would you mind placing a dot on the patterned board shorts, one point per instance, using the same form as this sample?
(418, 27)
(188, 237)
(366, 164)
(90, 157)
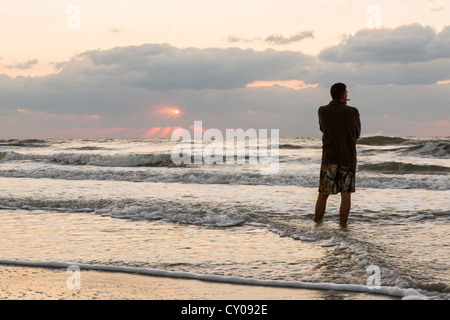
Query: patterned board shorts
(335, 178)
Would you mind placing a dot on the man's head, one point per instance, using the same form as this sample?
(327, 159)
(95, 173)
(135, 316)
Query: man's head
(339, 92)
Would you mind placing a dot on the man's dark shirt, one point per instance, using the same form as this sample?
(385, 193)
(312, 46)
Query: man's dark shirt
(341, 127)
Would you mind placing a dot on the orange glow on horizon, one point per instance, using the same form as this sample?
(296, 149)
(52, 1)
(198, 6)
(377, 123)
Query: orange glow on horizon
(291, 84)
(443, 82)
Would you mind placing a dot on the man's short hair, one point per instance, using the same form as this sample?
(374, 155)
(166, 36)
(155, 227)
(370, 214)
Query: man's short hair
(338, 90)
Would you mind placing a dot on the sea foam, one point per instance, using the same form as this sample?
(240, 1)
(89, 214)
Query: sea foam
(404, 293)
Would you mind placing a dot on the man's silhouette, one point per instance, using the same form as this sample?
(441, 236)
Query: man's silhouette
(341, 127)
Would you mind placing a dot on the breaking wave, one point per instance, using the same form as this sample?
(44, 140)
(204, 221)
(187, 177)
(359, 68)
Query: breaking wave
(433, 149)
(404, 168)
(35, 143)
(381, 141)
(101, 160)
(198, 176)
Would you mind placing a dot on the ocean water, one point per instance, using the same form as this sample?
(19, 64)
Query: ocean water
(123, 204)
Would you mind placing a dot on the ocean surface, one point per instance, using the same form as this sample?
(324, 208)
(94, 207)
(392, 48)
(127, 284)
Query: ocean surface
(123, 204)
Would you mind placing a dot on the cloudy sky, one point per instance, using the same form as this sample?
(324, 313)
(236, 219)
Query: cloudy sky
(139, 68)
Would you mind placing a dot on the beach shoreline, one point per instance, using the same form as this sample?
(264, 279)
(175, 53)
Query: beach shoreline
(40, 283)
(220, 232)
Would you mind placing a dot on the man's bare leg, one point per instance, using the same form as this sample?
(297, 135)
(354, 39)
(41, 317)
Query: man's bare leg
(345, 208)
(321, 205)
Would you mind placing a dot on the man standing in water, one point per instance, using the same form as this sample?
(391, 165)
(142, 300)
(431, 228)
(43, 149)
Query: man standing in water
(341, 127)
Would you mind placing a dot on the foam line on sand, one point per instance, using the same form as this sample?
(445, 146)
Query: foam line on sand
(352, 288)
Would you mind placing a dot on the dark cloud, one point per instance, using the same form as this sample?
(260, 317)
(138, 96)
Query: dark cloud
(235, 39)
(280, 40)
(411, 43)
(164, 67)
(411, 55)
(124, 80)
(412, 73)
(275, 39)
(125, 85)
(24, 65)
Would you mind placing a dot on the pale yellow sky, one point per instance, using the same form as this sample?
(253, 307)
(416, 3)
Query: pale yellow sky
(36, 34)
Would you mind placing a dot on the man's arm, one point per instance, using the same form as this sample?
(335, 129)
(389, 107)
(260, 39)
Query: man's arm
(358, 125)
(320, 122)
